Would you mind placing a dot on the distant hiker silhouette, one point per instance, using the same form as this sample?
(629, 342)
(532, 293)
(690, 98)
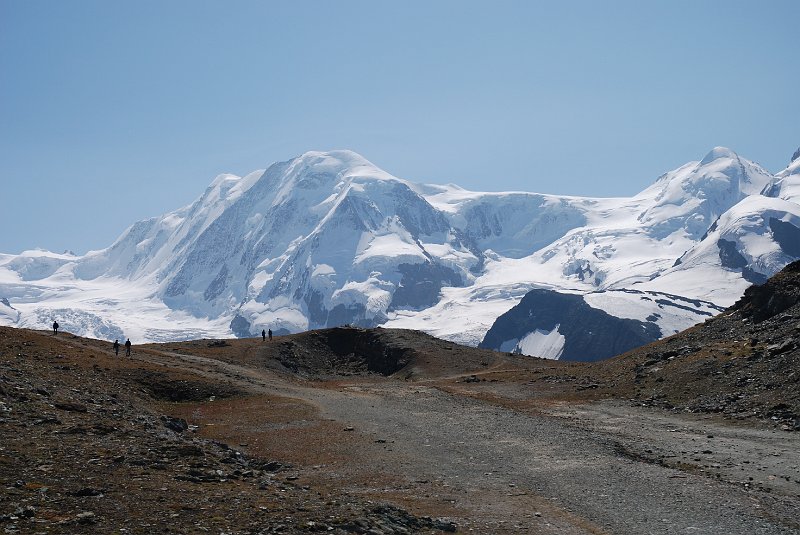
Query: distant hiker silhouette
(55, 327)
(116, 347)
(263, 334)
(128, 347)
(269, 334)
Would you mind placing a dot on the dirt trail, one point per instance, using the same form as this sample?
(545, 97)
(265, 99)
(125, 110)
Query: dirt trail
(586, 476)
(591, 468)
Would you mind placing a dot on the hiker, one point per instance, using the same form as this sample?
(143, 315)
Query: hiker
(55, 327)
(128, 347)
(116, 347)
(263, 335)
(269, 334)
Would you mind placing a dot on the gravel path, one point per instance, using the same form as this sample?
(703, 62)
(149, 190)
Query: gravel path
(598, 468)
(587, 477)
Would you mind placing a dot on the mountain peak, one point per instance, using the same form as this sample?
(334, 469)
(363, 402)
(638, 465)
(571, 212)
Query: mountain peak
(333, 158)
(344, 163)
(796, 155)
(716, 153)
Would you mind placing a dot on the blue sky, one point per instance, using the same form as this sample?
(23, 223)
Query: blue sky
(113, 111)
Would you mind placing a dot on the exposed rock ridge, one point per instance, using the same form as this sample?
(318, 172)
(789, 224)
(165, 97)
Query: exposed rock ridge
(773, 297)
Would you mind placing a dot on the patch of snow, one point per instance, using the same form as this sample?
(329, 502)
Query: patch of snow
(541, 343)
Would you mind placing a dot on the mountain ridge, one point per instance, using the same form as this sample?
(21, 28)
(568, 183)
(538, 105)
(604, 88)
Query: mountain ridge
(328, 238)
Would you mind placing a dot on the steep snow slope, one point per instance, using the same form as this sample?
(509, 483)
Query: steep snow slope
(328, 238)
(746, 245)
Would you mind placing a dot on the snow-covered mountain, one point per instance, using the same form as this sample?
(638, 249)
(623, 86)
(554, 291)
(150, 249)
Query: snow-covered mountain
(751, 231)
(328, 238)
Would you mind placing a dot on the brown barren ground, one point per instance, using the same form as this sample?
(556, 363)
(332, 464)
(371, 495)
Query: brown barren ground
(383, 431)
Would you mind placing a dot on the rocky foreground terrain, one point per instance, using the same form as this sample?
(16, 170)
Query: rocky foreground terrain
(389, 431)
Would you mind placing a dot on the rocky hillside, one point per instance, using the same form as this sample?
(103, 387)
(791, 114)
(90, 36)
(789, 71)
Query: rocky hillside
(744, 363)
(89, 447)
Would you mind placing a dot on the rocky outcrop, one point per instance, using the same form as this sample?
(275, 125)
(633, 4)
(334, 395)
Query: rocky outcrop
(786, 235)
(731, 258)
(740, 364)
(775, 296)
(421, 284)
(589, 334)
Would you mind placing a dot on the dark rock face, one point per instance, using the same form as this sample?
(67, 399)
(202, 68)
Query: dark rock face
(787, 236)
(796, 154)
(731, 258)
(421, 283)
(218, 285)
(775, 296)
(377, 354)
(753, 276)
(590, 334)
(240, 327)
(317, 313)
(70, 406)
